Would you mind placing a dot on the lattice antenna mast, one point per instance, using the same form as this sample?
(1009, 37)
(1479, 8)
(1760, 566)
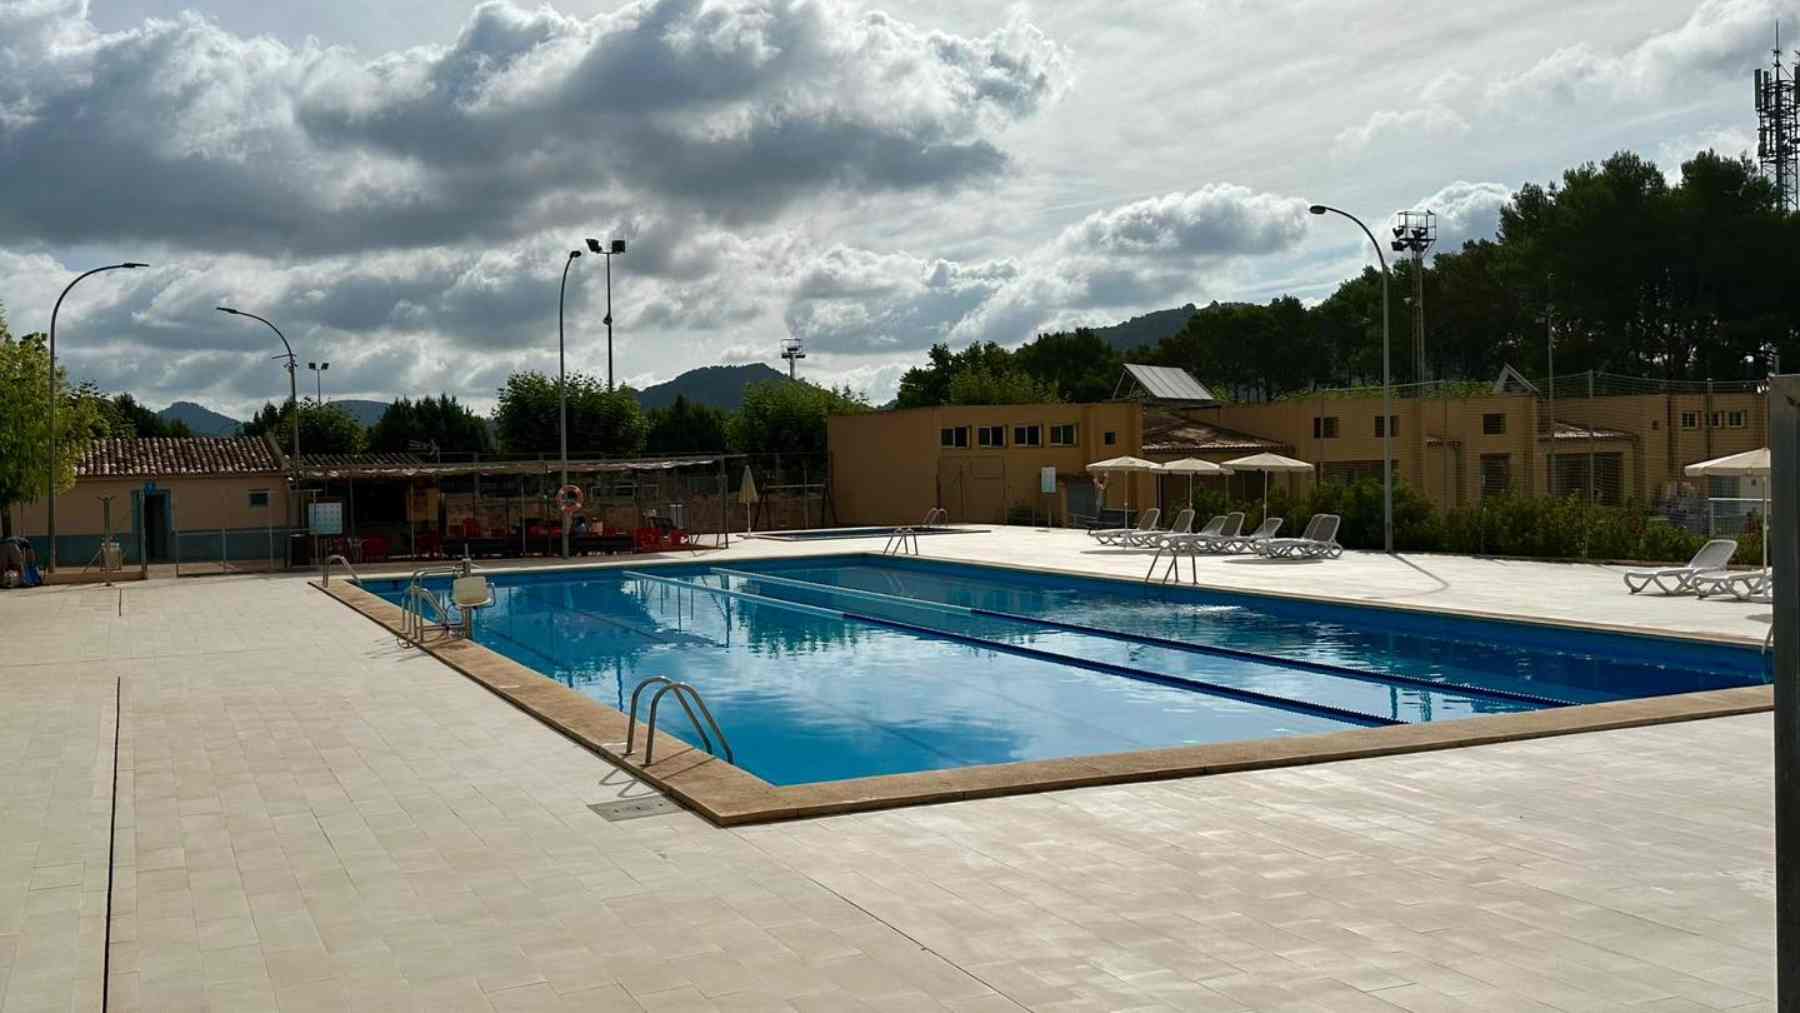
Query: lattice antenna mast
(1414, 233)
(792, 350)
(1778, 128)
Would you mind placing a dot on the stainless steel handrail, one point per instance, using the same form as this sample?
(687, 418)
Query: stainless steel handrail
(683, 693)
(326, 578)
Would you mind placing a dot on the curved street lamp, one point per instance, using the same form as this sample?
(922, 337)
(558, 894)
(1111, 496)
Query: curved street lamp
(562, 390)
(50, 499)
(293, 385)
(1387, 388)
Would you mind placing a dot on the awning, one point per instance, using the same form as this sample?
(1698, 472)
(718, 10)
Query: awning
(374, 470)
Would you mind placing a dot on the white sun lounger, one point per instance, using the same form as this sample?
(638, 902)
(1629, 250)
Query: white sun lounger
(1740, 584)
(1255, 539)
(1116, 536)
(1318, 542)
(1184, 523)
(1711, 559)
(1233, 530)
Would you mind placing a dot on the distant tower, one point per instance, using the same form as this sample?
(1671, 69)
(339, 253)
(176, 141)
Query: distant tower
(1777, 131)
(791, 350)
(1414, 233)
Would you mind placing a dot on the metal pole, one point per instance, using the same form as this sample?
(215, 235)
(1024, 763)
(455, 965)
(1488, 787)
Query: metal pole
(1550, 354)
(1785, 473)
(562, 390)
(50, 497)
(609, 352)
(293, 383)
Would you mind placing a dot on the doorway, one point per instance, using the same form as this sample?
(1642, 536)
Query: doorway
(157, 516)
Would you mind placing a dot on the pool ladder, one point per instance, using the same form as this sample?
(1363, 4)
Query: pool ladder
(684, 693)
(898, 541)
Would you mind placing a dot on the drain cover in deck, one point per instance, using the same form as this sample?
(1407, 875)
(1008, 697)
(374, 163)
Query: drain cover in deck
(635, 808)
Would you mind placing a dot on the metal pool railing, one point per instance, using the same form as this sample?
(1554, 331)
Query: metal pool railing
(684, 692)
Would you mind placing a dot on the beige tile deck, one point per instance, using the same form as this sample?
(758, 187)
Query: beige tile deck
(313, 818)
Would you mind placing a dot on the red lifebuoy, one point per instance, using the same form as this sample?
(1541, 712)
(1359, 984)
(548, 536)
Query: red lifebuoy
(569, 498)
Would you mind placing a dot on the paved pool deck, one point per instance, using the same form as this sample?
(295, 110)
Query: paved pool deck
(312, 817)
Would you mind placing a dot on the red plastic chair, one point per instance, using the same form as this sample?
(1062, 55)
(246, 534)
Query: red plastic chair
(375, 549)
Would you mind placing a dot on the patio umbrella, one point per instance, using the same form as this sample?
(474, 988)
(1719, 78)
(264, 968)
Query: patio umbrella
(1126, 464)
(1753, 463)
(1267, 463)
(747, 495)
(1191, 466)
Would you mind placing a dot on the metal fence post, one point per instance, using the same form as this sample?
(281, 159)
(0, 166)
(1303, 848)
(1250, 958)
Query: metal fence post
(1784, 438)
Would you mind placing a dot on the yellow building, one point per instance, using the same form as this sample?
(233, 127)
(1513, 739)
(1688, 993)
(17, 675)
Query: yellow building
(235, 487)
(982, 463)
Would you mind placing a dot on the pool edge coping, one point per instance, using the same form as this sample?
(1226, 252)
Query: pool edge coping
(727, 795)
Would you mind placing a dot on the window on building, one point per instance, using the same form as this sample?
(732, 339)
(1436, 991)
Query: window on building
(1062, 436)
(1496, 474)
(1325, 427)
(1715, 420)
(990, 436)
(1690, 420)
(1734, 420)
(1028, 436)
(1110, 438)
(953, 436)
(1599, 477)
(1493, 423)
(1352, 472)
(259, 498)
(1381, 430)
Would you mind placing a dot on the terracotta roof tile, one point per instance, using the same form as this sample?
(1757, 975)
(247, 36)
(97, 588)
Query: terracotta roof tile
(389, 459)
(159, 456)
(1167, 434)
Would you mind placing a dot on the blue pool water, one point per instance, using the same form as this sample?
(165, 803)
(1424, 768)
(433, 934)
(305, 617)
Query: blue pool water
(837, 667)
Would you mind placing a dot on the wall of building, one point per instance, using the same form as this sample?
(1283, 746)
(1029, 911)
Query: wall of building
(211, 503)
(892, 467)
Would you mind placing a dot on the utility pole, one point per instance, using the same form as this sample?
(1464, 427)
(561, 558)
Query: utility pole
(792, 350)
(1778, 127)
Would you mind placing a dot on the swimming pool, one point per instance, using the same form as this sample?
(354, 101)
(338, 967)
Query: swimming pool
(835, 667)
(828, 534)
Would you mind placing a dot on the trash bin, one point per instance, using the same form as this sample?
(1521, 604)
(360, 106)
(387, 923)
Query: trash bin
(112, 558)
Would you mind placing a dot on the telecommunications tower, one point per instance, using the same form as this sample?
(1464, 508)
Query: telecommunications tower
(1414, 233)
(1777, 130)
(792, 350)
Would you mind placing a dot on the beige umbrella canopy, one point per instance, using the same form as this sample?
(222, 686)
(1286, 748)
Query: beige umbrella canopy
(748, 495)
(1125, 464)
(1267, 463)
(1191, 466)
(1753, 463)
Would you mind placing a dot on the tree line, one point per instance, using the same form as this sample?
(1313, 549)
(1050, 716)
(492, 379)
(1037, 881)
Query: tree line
(1621, 269)
(779, 416)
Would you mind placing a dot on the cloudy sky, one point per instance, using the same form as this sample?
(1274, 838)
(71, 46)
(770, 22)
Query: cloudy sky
(397, 184)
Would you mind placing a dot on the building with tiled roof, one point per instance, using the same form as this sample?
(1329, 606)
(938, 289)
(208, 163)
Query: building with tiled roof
(171, 456)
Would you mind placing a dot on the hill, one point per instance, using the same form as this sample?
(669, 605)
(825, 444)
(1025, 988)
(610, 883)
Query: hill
(720, 387)
(366, 412)
(200, 420)
(1147, 329)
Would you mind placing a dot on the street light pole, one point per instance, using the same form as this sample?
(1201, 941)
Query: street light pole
(293, 384)
(319, 369)
(614, 247)
(1387, 387)
(562, 390)
(50, 498)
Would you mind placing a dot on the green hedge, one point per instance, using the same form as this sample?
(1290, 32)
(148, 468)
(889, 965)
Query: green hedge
(1532, 526)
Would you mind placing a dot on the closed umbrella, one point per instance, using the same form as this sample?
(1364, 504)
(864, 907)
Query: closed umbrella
(747, 495)
(1267, 463)
(1753, 463)
(1125, 464)
(1191, 466)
